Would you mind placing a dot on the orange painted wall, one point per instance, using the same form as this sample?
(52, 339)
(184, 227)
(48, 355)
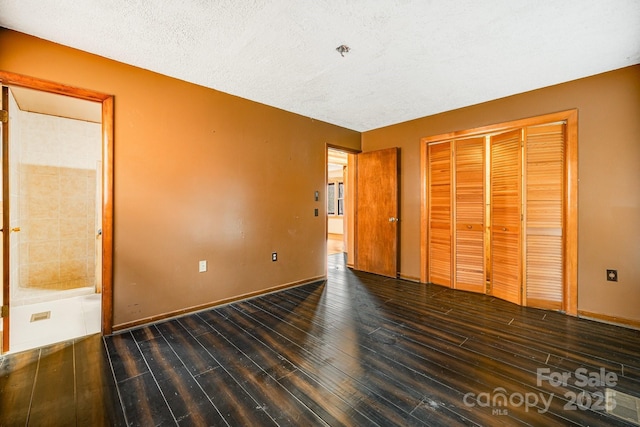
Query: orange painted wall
(609, 178)
(199, 174)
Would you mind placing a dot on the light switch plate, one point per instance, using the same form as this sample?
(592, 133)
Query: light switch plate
(202, 266)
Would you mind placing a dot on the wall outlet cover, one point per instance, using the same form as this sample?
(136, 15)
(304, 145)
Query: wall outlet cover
(274, 256)
(202, 266)
(612, 275)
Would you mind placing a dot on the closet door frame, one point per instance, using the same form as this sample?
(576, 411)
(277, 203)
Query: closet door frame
(570, 195)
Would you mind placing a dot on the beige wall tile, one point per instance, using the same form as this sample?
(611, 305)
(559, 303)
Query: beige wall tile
(42, 229)
(73, 207)
(77, 283)
(58, 197)
(41, 186)
(73, 269)
(42, 207)
(73, 228)
(73, 249)
(42, 252)
(44, 273)
(73, 185)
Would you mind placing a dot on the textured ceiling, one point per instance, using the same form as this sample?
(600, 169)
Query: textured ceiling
(408, 58)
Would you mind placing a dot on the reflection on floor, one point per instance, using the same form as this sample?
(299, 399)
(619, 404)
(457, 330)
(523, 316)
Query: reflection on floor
(335, 244)
(69, 318)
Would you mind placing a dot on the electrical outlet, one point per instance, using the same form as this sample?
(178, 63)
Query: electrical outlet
(315, 212)
(612, 275)
(274, 256)
(202, 266)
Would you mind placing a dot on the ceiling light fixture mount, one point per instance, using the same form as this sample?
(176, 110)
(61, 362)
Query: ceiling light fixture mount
(342, 49)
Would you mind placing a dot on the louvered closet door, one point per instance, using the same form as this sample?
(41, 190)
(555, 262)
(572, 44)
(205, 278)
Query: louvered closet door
(440, 214)
(469, 215)
(505, 216)
(544, 172)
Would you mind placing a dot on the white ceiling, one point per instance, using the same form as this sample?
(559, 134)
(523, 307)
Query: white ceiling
(408, 58)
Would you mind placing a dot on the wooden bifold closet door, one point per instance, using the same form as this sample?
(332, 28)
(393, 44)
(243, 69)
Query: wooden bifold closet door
(506, 200)
(456, 214)
(439, 216)
(500, 213)
(469, 215)
(544, 236)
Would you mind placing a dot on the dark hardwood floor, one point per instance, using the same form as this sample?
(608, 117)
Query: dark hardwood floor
(358, 350)
(65, 384)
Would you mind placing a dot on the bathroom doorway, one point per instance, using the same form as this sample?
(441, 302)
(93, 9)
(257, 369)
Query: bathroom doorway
(53, 169)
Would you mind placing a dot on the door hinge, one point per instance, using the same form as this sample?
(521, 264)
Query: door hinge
(4, 312)
(4, 116)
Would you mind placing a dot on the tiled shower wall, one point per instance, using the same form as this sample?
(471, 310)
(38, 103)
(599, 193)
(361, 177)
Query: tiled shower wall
(57, 201)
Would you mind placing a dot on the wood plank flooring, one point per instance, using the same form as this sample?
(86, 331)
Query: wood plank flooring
(64, 384)
(366, 350)
(358, 350)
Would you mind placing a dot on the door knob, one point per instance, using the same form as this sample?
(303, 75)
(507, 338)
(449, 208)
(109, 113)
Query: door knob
(392, 219)
(13, 229)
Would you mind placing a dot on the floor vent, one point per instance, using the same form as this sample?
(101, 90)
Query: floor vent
(623, 405)
(40, 316)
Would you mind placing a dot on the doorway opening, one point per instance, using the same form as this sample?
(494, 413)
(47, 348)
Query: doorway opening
(55, 193)
(57, 210)
(340, 198)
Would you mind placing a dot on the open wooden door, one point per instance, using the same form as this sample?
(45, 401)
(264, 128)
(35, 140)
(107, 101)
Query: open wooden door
(4, 301)
(377, 212)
